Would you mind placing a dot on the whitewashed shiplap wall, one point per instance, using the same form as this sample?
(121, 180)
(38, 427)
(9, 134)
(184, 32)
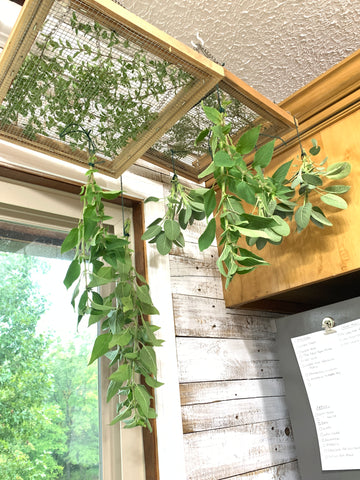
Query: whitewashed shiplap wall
(235, 420)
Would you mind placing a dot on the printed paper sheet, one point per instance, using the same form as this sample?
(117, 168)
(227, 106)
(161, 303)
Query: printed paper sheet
(330, 366)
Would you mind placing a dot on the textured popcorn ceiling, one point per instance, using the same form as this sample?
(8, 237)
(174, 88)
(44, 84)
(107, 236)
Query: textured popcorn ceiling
(276, 46)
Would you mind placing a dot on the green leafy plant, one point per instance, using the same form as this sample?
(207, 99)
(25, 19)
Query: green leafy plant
(251, 206)
(127, 338)
(309, 179)
(183, 206)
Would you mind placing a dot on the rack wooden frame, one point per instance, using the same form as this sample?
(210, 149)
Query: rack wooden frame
(208, 75)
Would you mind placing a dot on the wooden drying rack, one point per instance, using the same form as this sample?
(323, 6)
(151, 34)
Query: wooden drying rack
(208, 75)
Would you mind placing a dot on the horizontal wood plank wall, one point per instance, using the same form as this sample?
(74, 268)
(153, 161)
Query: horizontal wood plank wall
(235, 419)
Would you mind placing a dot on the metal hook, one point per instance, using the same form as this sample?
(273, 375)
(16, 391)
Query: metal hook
(202, 43)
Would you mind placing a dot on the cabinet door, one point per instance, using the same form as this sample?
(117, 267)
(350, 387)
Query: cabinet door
(305, 435)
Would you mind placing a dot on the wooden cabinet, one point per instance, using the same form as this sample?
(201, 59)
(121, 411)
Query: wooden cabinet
(317, 266)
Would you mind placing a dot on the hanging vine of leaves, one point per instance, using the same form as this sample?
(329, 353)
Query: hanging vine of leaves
(127, 339)
(251, 207)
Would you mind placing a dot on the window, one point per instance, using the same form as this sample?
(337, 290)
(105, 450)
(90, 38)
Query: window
(48, 399)
(30, 185)
(62, 401)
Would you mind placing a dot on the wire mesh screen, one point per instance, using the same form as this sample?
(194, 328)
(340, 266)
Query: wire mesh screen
(87, 68)
(95, 65)
(177, 149)
(79, 71)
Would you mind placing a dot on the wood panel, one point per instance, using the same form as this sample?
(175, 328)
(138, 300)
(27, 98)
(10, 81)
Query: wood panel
(206, 392)
(286, 471)
(207, 317)
(218, 454)
(189, 261)
(207, 359)
(315, 254)
(210, 287)
(232, 413)
(231, 394)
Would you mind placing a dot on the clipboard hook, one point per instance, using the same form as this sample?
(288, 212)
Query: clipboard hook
(328, 324)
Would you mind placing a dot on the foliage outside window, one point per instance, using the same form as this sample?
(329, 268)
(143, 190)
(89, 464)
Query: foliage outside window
(48, 397)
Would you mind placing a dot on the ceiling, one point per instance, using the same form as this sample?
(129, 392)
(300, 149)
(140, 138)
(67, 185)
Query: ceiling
(276, 46)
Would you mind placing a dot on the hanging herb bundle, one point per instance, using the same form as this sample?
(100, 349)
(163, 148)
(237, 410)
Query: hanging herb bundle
(127, 339)
(253, 209)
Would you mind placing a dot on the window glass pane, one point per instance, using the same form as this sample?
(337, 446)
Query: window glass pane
(49, 425)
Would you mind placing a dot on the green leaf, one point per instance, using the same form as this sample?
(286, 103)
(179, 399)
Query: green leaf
(142, 397)
(312, 179)
(148, 359)
(272, 235)
(152, 382)
(111, 195)
(143, 294)
(225, 253)
(95, 318)
(334, 200)
(338, 170)
(315, 149)
(155, 222)
(122, 374)
(209, 202)
(171, 229)
(245, 191)
(101, 308)
(83, 301)
(264, 155)
(149, 309)
(223, 159)
(338, 188)
(235, 205)
(122, 416)
(260, 243)
(112, 390)
(212, 114)
(180, 241)
(72, 273)
(151, 199)
(256, 221)
(151, 232)
(202, 135)
(97, 281)
(302, 215)
(131, 355)
(101, 346)
(208, 171)
(248, 141)
(121, 339)
(163, 244)
(248, 232)
(70, 241)
(280, 175)
(282, 228)
(208, 235)
(317, 215)
(249, 259)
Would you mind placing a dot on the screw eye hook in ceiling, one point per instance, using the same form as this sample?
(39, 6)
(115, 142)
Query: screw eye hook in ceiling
(201, 41)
